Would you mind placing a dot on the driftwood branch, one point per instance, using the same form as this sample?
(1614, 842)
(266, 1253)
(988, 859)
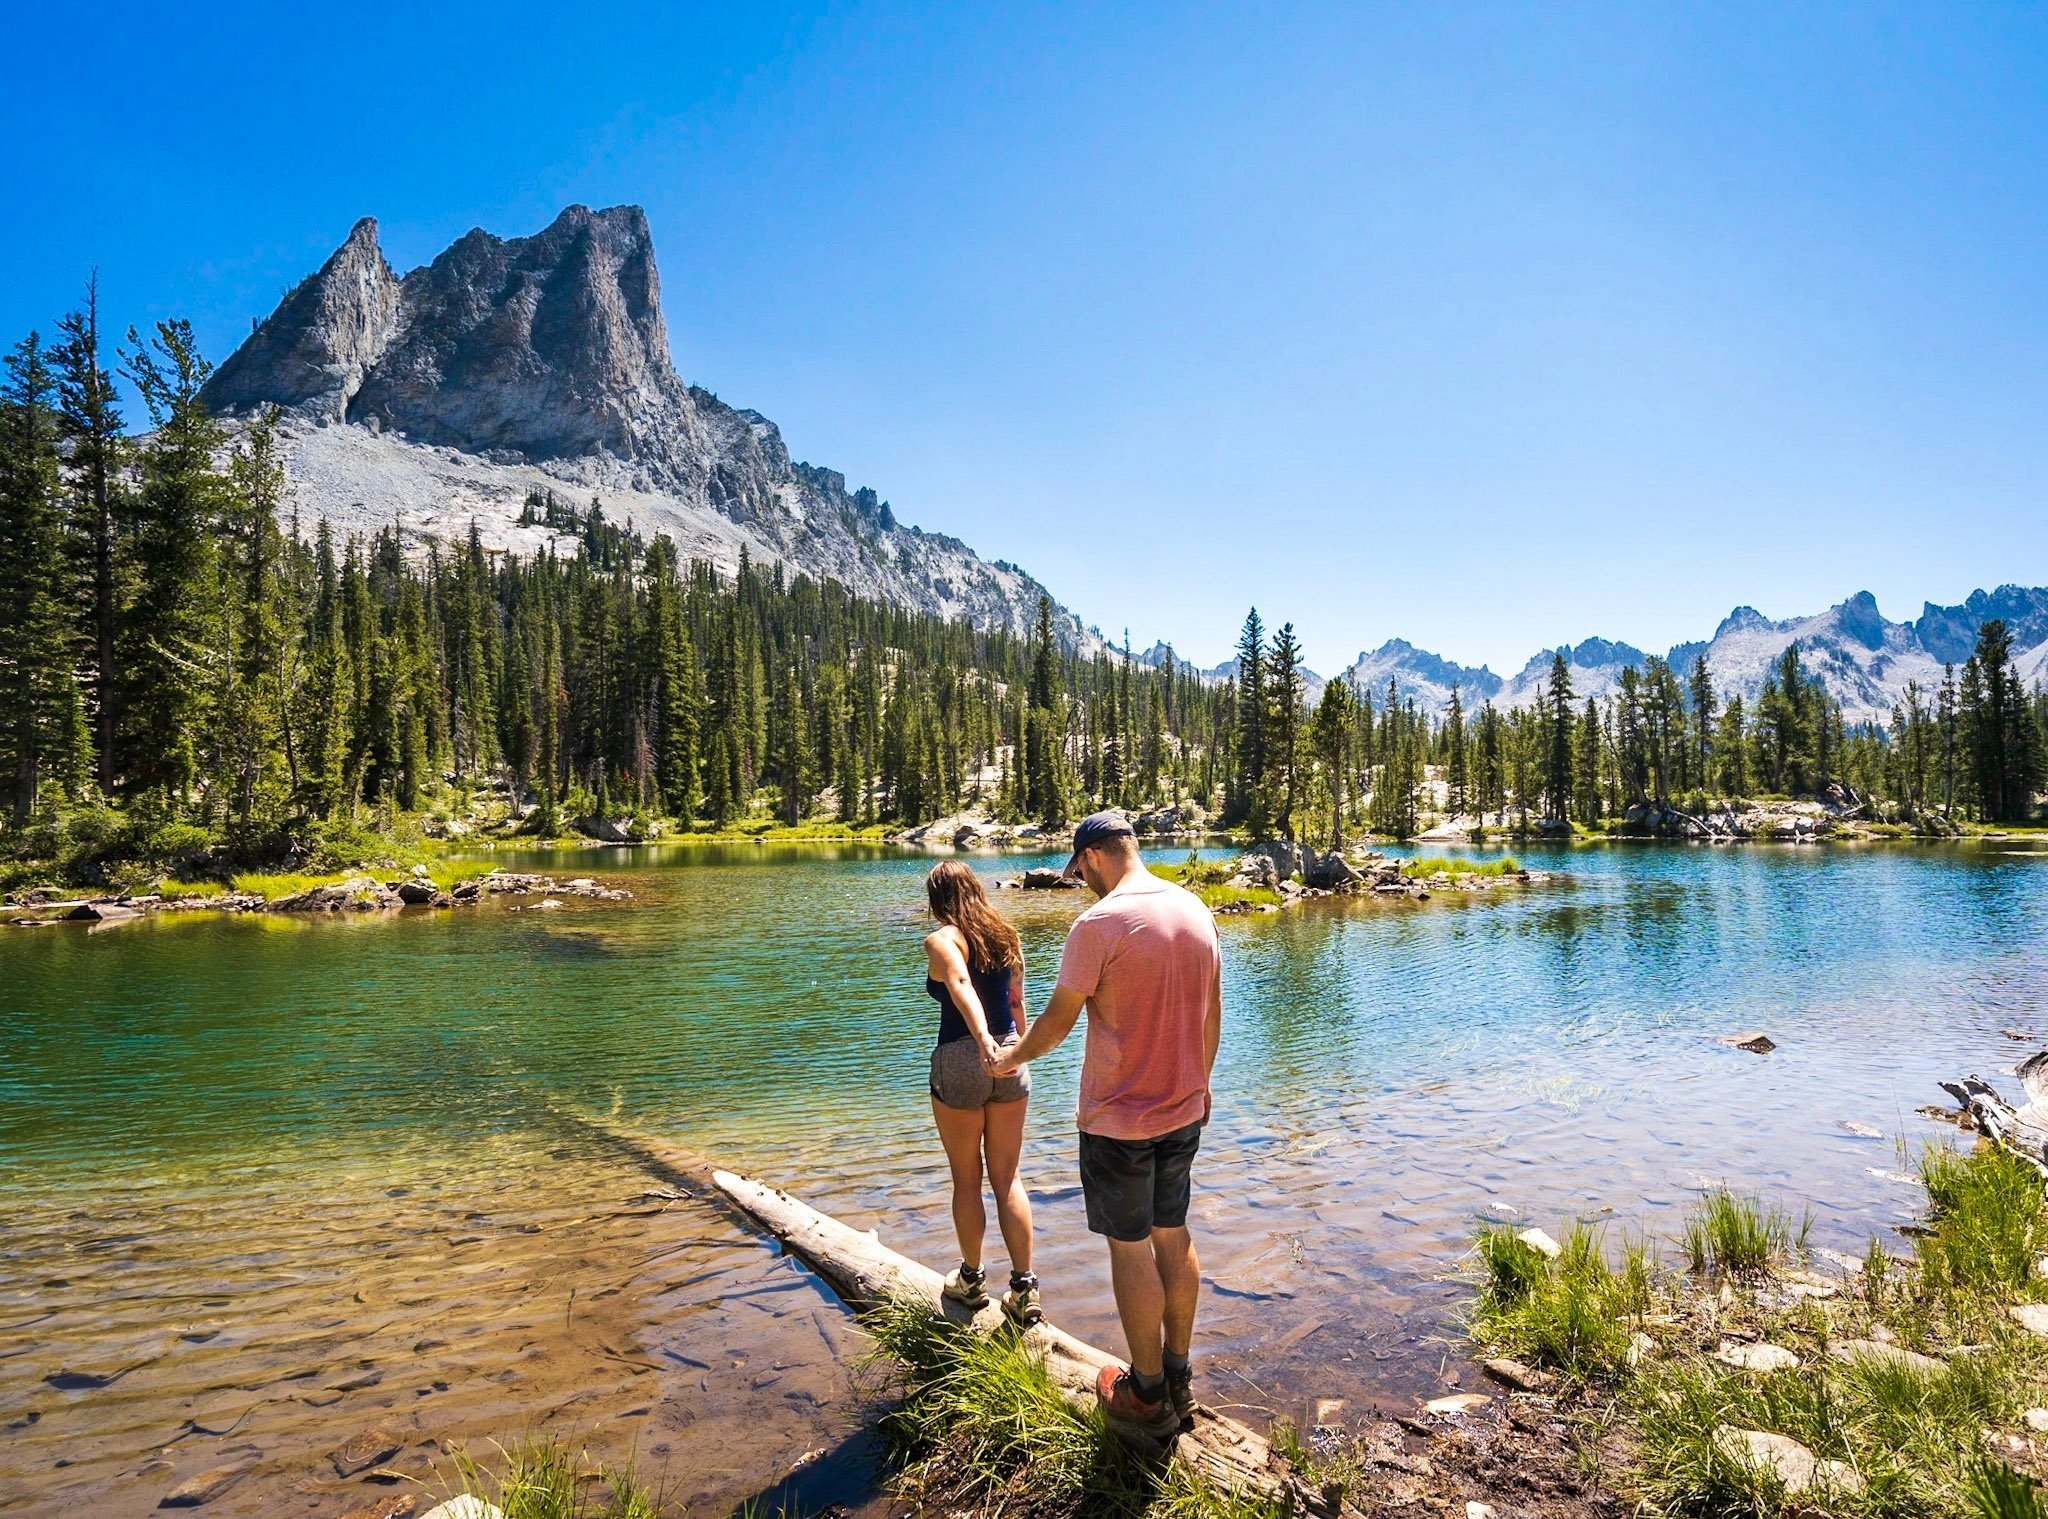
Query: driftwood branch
(2022, 1130)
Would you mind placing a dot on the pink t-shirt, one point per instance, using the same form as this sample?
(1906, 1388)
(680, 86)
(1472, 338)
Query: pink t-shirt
(1146, 958)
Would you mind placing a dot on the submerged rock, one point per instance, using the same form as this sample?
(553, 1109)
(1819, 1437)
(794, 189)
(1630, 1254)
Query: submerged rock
(206, 1486)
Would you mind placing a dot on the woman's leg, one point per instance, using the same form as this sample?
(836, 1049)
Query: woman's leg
(960, 1132)
(1003, 1139)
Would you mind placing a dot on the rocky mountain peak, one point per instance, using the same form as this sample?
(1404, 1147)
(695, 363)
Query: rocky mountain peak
(312, 354)
(510, 367)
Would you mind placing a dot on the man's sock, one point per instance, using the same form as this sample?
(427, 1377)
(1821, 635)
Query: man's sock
(1176, 1365)
(1151, 1389)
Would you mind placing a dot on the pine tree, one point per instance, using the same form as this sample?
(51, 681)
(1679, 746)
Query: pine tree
(1246, 801)
(42, 716)
(1283, 724)
(163, 667)
(1703, 712)
(1456, 777)
(90, 415)
(1331, 733)
(1557, 750)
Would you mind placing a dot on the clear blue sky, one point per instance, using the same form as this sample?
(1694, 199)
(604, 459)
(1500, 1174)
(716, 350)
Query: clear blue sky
(1488, 326)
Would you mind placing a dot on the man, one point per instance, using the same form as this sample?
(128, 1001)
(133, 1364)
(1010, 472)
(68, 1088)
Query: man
(1145, 962)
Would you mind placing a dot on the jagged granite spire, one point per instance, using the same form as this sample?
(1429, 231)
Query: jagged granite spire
(552, 346)
(313, 352)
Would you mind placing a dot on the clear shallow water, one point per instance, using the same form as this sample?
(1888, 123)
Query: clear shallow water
(203, 1091)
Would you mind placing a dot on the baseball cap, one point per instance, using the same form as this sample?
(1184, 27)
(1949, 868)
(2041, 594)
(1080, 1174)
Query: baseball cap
(1097, 828)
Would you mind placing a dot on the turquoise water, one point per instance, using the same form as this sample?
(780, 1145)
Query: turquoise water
(1389, 1072)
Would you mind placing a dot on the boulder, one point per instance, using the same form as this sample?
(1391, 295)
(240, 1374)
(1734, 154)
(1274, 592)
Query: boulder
(1765, 1358)
(357, 894)
(1044, 878)
(1286, 857)
(1332, 872)
(1755, 1042)
(1518, 1376)
(415, 892)
(606, 830)
(1792, 1463)
(1876, 1352)
(99, 912)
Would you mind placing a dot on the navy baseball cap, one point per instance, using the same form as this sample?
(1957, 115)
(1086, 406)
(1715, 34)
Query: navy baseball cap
(1097, 828)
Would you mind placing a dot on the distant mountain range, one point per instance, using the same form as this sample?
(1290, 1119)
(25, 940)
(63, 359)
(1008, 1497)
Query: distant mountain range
(1864, 659)
(510, 367)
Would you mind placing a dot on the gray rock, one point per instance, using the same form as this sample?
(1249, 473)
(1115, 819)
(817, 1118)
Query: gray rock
(415, 892)
(1792, 1463)
(206, 1486)
(1044, 878)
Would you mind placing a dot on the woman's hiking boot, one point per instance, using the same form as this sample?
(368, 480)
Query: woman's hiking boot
(967, 1285)
(1117, 1388)
(1020, 1303)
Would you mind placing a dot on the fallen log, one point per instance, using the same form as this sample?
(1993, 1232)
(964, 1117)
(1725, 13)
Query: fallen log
(864, 1273)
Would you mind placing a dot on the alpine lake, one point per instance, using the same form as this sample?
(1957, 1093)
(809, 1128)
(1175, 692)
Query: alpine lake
(307, 1202)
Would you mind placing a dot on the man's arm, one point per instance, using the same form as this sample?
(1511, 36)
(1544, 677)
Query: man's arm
(1046, 1032)
(1212, 1026)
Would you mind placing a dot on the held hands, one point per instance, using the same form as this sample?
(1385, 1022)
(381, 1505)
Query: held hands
(996, 1060)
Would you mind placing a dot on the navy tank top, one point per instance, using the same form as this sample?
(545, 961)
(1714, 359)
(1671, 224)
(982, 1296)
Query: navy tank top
(993, 988)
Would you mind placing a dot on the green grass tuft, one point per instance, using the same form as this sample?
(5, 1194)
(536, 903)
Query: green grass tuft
(973, 1422)
(1998, 1492)
(1988, 1220)
(1572, 1314)
(1739, 1235)
(544, 1477)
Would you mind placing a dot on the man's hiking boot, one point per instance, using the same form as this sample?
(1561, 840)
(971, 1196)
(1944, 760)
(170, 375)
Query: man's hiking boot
(1020, 1303)
(970, 1290)
(1118, 1391)
(1180, 1391)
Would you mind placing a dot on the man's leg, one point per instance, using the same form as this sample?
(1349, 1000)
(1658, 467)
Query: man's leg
(1180, 1279)
(1141, 1303)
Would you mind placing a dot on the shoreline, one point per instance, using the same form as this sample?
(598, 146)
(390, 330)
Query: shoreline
(351, 893)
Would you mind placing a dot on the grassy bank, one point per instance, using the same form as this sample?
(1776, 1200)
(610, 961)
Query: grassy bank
(1910, 1375)
(1209, 880)
(1425, 866)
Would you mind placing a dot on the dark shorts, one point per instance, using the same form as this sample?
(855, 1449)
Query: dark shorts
(1133, 1186)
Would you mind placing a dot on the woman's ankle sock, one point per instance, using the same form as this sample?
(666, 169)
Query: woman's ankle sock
(970, 1273)
(1019, 1280)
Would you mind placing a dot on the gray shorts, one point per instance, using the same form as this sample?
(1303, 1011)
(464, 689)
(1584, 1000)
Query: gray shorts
(959, 1080)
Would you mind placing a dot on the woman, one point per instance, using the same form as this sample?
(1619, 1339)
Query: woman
(974, 967)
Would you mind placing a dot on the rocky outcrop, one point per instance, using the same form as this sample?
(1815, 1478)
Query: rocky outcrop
(511, 368)
(315, 351)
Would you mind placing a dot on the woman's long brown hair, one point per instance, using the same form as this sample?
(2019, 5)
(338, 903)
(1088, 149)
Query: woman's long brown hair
(956, 897)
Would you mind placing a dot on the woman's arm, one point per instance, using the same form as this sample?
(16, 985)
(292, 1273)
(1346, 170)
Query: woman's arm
(1017, 998)
(947, 964)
